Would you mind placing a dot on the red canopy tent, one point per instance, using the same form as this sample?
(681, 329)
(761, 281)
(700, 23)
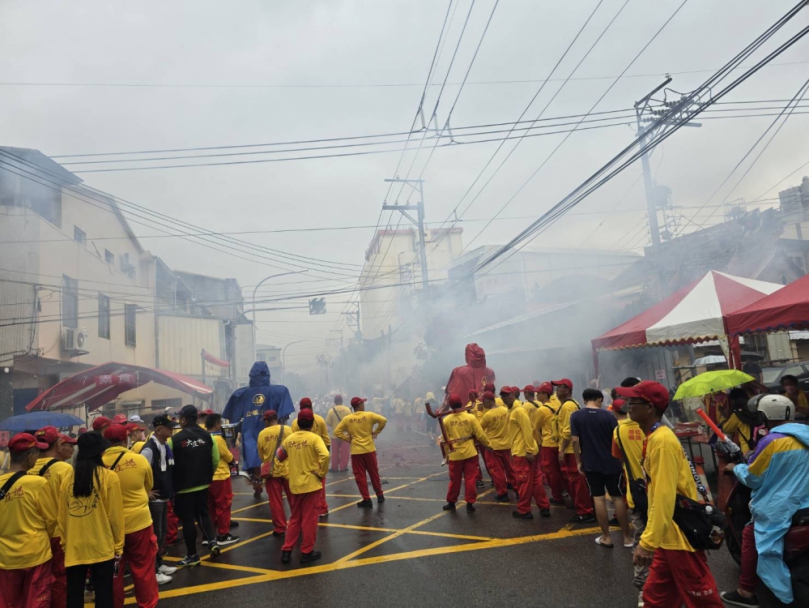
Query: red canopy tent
(101, 384)
(787, 308)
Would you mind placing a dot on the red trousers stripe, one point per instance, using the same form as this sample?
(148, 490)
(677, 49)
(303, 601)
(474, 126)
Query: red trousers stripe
(680, 577)
(140, 551)
(26, 587)
(220, 501)
(468, 469)
(362, 464)
(303, 522)
(276, 485)
(582, 501)
(552, 472)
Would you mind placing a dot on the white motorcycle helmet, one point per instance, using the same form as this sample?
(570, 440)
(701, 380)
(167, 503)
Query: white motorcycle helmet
(772, 407)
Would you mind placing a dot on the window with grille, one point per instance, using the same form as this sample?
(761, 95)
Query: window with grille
(70, 302)
(103, 316)
(130, 311)
(175, 404)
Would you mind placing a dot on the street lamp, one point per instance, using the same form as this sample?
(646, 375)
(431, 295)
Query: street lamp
(283, 350)
(260, 283)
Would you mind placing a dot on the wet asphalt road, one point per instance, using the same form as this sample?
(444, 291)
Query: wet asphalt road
(455, 559)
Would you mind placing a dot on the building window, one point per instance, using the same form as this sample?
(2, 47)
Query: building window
(103, 316)
(79, 235)
(70, 302)
(129, 324)
(174, 403)
(109, 257)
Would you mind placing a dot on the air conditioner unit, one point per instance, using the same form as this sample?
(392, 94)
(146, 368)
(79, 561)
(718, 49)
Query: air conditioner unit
(68, 338)
(80, 336)
(74, 341)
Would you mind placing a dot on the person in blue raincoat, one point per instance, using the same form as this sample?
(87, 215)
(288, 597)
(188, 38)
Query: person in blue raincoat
(778, 474)
(247, 406)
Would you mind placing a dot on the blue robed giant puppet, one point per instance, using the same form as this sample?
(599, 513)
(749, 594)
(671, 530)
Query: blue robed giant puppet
(248, 405)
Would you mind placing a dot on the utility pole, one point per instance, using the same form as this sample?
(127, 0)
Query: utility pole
(659, 118)
(417, 185)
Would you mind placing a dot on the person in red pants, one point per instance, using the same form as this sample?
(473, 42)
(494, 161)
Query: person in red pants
(321, 430)
(525, 460)
(308, 463)
(26, 526)
(498, 460)
(220, 492)
(577, 486)
(462, 429)
(140, 543)
(275, 472)
(544, 420)
(360, 429)
(340, 450)
(54, 470)
(172, 525)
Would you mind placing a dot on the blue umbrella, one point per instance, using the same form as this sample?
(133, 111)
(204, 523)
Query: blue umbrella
(36, 420)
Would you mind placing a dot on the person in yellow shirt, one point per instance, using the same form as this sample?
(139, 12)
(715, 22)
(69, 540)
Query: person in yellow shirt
(462, 429)
(498, 460)
(308, 463)
(360, 429)
(627, 446)
(525, 460)
(53, 469)
(340, 450)
(321, 430)
(737, 426)
(27, 519)
(475, 407)
(576, 483)
(275, 472)
(91, 522)
(140, 543)
(220, 492)
(408, 410)
(544, 420)
(677, 573)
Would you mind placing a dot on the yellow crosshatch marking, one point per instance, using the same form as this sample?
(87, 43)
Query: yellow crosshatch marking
(355, 557)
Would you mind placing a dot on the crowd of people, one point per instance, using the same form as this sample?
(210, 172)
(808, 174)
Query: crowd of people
(66, 527)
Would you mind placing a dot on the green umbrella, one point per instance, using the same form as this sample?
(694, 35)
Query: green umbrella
(712, 382)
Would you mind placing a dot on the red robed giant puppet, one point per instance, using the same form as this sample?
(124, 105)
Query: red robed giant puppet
(471, 376)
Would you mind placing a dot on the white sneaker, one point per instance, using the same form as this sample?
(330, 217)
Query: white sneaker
(162, 579)
(205, 543)
(167, 570)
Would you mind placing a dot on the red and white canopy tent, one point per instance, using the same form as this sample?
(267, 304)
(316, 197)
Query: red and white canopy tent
(696, 313)
(101, 384)
(785, 309)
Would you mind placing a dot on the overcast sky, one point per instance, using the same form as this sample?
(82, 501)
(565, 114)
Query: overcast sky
(346, 48)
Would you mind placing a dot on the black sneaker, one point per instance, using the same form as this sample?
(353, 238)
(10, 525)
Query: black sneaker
(545, 512)
(286, 557)
(277, 534)
(502, 498)
(310, 557)
(734, 598)
(380, 498)
(234, 524)
(215, 550)
(519, 515)
(227, 539)
(450, 506)
(511, 487)
(256, 494)
(558, 503)
(614, 522)
(189, 561)
(479, 484)
(365, 504)
(470, 508)
(582, 519)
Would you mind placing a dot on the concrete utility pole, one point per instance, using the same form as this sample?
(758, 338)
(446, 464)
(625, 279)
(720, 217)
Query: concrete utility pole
(418, 185)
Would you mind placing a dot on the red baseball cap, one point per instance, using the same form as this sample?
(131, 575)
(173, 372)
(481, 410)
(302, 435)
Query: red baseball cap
(25, 441)
(563, 382)
(529, 389)
(47, 434)
(119, 419)
(455, 401)
(620, 405)
(68, 439)
(545, 387)
(516, 390)
(270, 414)
(355, 401)
(473, 393)
(102, 422)
(115, 433)
(207, 412)
(505, 390)
(132, 427)
(648, 390)
(489, 386)
(306, 415)
(488, 396)
(306, 402)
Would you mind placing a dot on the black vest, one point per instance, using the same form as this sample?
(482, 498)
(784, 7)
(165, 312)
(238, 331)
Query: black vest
(163, 482)
(193, 458)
